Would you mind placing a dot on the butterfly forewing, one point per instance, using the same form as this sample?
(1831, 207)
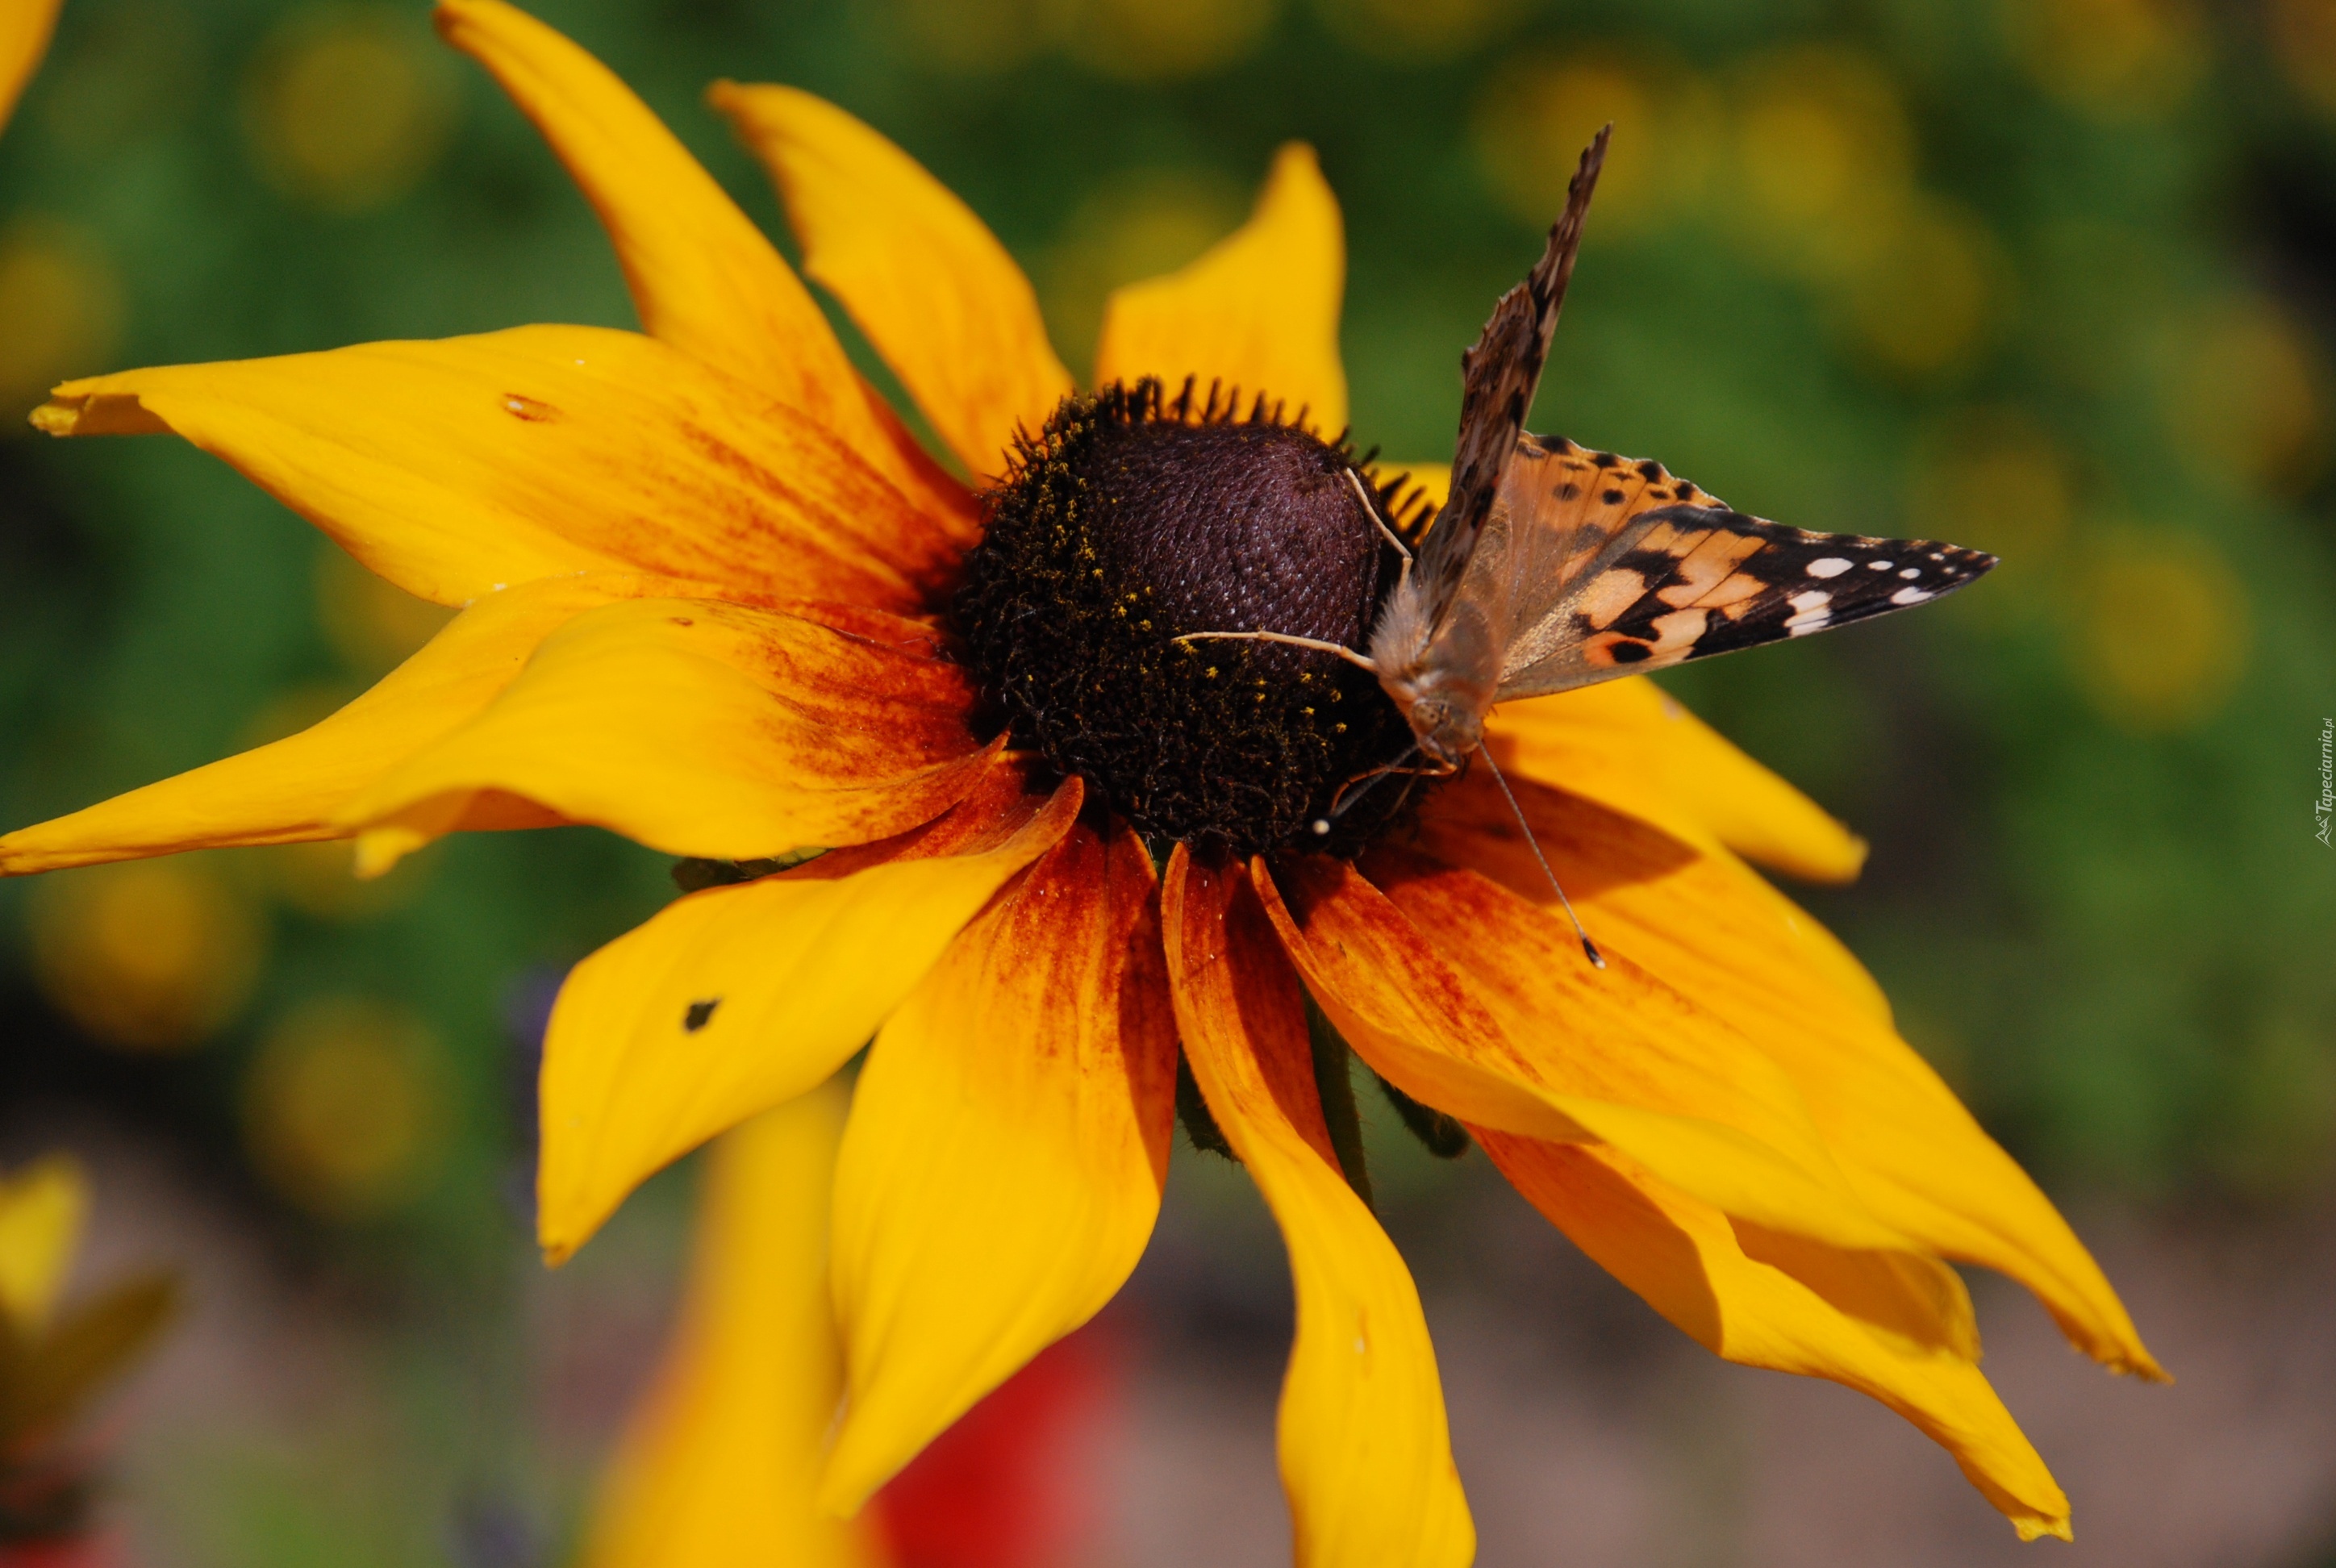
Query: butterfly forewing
(1499, 376)
(1614, 567)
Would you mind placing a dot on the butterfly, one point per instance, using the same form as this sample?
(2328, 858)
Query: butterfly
(1550, 566)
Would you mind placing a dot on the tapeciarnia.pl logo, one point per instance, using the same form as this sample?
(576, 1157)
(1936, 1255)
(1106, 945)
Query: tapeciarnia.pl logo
(2323, 810)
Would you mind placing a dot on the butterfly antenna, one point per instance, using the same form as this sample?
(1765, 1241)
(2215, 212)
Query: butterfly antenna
(1588, 948)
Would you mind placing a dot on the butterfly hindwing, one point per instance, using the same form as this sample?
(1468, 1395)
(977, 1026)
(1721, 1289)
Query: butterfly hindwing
(1639, 587)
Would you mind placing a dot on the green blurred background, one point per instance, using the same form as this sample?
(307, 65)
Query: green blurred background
(2052, 277)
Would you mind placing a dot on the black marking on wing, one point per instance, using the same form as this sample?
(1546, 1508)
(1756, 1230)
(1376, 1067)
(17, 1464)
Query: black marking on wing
(1498, 378)
(1788, 582)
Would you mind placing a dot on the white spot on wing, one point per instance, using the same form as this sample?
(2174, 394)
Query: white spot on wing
(1827, 565)
(1909, 596)
(1813, 611)
(1912, 572)
(1879, 565)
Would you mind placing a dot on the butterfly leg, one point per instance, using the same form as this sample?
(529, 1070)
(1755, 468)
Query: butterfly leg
(1315, 643)
(1363, 494)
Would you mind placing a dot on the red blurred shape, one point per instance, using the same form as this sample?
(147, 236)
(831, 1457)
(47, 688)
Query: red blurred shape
(1020, 1481)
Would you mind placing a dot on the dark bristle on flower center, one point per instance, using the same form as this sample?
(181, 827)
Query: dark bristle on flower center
(1133, 518)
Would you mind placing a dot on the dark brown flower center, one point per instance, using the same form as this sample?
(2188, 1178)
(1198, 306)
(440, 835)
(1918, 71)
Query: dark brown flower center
(1131, 519)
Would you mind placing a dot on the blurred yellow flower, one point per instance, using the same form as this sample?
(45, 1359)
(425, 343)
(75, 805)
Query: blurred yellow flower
(1537, 110)
(2303, 43)
(346, 107)
(2112, 59)
(1823, 157)
(1142, 223)
(60, 309)
(41, 1208)
(1998, 475)
(2242, 392)
(24, 29)
(1145, 41)
(721, 1462)
(1409, 31)
(978, 38)
(156, 956)
(2162, 633)
(344, 1108)
(371, 623)
(1931, 294)
(52, 1363)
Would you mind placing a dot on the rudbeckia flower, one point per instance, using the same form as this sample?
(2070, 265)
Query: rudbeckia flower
(718, 599)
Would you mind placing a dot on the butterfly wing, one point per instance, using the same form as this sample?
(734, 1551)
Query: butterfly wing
(1498, 378)
(1621, 568)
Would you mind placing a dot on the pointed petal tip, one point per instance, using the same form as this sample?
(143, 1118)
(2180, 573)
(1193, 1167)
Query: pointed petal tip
(379, 849)
(2035, 1527)
(80, 408)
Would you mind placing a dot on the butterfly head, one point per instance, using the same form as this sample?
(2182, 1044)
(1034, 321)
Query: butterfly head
(1447, 730)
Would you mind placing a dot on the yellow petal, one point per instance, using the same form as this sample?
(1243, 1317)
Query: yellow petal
(1626, 744)
(701, 727)
(1258, 313)
(716, 1466)
(1719, 934)
(287, 792)
(24, 29)
(1685, 1259)
(943, 303)
(1594, 843)
(457, 467)
(40, 1210)
(1472, 1000)
(1366, 1459)
(737, 998)
(1007, 1146)
(703, 277)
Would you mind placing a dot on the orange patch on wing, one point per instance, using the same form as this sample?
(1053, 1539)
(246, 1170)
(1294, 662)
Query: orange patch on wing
(1707, 566)
(1609, 595)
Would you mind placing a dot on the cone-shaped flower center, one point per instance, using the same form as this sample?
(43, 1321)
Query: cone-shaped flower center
(1128, 523)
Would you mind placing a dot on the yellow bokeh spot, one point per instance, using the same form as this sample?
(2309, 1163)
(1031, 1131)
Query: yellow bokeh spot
(345, 1106)
(148, 955)
(347, 107)
(2115, 60)
(1928, 296)
(1140, 225)
(2244, 393)
(371, 622)
(1823, 157)
(60, 311)
(1538, 113)
(1407, 31)
(1144, 40)
(42, 1207)
(2161, 630)
(980, 37)
(1995, 479)
(2304, 42)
